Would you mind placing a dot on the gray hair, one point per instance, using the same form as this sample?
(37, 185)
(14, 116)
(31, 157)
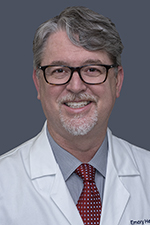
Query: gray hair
(84, 28)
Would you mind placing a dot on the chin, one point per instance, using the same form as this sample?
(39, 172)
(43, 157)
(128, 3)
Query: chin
(79, 125)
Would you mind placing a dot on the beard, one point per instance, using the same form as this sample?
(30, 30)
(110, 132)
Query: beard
(78, 124)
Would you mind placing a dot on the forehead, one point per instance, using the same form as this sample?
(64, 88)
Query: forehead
(59, 48)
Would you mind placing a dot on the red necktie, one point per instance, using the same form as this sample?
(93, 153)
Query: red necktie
(89, 203)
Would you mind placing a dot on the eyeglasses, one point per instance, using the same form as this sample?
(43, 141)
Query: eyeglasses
(90, 74)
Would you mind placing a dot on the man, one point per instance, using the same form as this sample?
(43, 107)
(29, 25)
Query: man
(78, 76)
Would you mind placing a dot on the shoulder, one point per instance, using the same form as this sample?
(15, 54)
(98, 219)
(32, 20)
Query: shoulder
(15, 161)
(127, 146)
(123, 144)
(15, 164)
(139, 156)
(22, 150)
(17, 152)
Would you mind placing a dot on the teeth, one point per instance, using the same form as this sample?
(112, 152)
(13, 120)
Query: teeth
(76, 105)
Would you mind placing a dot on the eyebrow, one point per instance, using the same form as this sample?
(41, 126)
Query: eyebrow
(88, 61)
(59, 63)
(93, 61)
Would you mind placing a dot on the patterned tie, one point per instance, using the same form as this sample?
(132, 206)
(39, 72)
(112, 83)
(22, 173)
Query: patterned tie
(89, 203)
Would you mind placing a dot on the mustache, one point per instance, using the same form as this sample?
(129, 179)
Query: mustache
(77, 97)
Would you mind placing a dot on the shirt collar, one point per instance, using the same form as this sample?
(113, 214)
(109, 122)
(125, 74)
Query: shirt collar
(68, 163)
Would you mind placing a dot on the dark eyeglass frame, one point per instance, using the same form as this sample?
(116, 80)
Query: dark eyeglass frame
(77, 69)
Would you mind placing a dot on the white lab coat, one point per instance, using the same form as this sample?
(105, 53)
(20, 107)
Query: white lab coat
(33, 191)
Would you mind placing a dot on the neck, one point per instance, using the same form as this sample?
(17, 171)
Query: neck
(83, 147)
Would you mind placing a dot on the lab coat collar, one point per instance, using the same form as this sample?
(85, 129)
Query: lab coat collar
(122, 156)
(42, 161)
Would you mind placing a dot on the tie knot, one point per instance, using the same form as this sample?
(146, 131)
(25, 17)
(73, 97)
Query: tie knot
(86, 172)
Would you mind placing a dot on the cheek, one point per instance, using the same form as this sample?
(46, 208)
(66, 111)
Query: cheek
(49, 96)
(106, 98)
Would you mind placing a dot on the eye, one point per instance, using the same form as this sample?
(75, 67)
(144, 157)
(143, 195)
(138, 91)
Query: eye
(92, 69)
(58, 70)
(97, 69)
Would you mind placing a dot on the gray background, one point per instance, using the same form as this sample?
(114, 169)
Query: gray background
(21, 114)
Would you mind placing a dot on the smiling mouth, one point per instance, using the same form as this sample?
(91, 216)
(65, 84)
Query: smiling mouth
(77, 105)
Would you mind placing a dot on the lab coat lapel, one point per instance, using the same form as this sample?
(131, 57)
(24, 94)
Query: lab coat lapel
(116, 196)
(48, 180)
(62, 198)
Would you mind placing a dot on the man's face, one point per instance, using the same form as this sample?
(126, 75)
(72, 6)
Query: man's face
(76, 108)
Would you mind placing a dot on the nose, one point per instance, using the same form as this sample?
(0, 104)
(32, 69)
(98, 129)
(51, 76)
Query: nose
(76, 85)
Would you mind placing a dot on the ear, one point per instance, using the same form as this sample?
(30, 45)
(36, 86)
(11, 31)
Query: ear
(36, 83)
(119, 81)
